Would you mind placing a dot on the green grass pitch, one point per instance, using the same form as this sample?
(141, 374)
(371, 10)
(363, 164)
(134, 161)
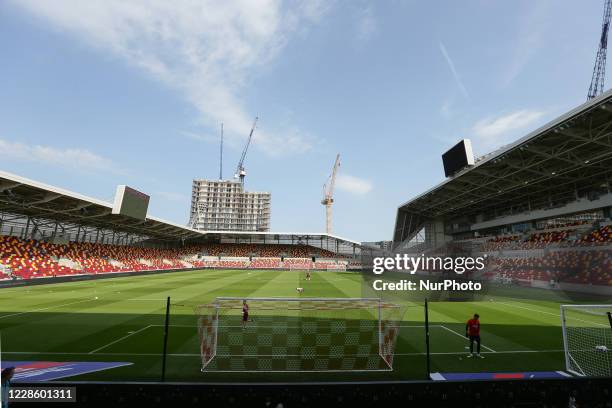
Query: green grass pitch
(121, 319)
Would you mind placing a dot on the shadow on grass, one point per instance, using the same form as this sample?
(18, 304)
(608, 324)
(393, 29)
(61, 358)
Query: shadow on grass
(139, 339)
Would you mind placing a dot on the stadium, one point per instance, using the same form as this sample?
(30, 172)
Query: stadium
(494, 287)
(145, 300)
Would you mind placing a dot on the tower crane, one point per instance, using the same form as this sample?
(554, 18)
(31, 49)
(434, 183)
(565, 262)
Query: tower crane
(240, 171)
(328, 195)
(599, 71)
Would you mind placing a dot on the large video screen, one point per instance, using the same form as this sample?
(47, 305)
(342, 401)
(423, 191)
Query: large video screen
(458, 157)
(131, 203)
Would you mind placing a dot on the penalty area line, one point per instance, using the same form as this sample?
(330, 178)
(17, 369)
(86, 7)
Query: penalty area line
(119, 339)
(255, 325)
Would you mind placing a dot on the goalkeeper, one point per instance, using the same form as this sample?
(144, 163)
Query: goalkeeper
(472, 332)
(245, 313)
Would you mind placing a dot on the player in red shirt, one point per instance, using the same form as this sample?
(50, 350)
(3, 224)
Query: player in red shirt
(245, 313)
(472, 332)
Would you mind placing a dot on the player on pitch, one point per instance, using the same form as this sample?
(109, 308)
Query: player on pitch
(245, 313)
(472, 332)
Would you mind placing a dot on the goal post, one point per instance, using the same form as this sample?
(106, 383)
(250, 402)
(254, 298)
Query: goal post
(208, 322)
(298, 334)
(587, 339)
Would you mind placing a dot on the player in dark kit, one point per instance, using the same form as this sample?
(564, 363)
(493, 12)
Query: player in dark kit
(245, 313)
(472, 332)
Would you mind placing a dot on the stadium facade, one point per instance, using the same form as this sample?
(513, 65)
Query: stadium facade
(224, 205)
(538, 210)
(33, 210)
(558, 173)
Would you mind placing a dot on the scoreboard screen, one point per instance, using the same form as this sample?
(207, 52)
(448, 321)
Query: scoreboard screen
(458, 157)
(131, 203)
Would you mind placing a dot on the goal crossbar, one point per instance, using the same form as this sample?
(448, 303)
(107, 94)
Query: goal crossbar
(300, 299)
(305, 303)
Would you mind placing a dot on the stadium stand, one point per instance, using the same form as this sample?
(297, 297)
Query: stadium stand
(266, 250)
(46, 231)
(592, 267)
(32, 258)
(266, 263)
(303, 263)
(600, 236)
(576, 253)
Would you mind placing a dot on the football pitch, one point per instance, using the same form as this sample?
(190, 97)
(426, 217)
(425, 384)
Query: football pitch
(122, 320)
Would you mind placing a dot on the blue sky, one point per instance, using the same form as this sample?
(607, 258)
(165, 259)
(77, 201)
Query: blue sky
(96, 94)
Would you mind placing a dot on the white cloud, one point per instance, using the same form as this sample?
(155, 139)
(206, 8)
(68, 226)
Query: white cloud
(367, 25)
(352, 184)
(451, 66)
(76, 158)
(493, 132)
(204, 49)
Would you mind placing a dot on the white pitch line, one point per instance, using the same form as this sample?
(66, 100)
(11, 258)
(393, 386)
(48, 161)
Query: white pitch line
(59, 353)
(118, 340)
(550, 313)
(463, 337)
(198, 355)
(142, 300)
(484, 352)
(47, 308)
(254, 324)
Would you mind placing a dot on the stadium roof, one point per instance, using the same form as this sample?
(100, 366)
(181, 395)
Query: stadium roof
(22, 196)
(571, 153)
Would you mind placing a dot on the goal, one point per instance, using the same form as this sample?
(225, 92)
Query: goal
(298, 334)
(587, 339)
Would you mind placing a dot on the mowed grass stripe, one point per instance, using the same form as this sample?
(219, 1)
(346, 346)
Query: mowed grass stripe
(129, 304)
(105, 292)
(198, 292)
(410, 338)
(46, 308)
(454, 315)
(109, 318)
(185, 340)
(43, 296)
(501, 328)
(335, 288)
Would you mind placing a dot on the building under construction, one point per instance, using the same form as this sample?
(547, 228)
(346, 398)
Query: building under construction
(223, 205)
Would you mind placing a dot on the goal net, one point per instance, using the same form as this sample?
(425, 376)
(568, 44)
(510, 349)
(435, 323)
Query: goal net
(298, 334)
(587, 339)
